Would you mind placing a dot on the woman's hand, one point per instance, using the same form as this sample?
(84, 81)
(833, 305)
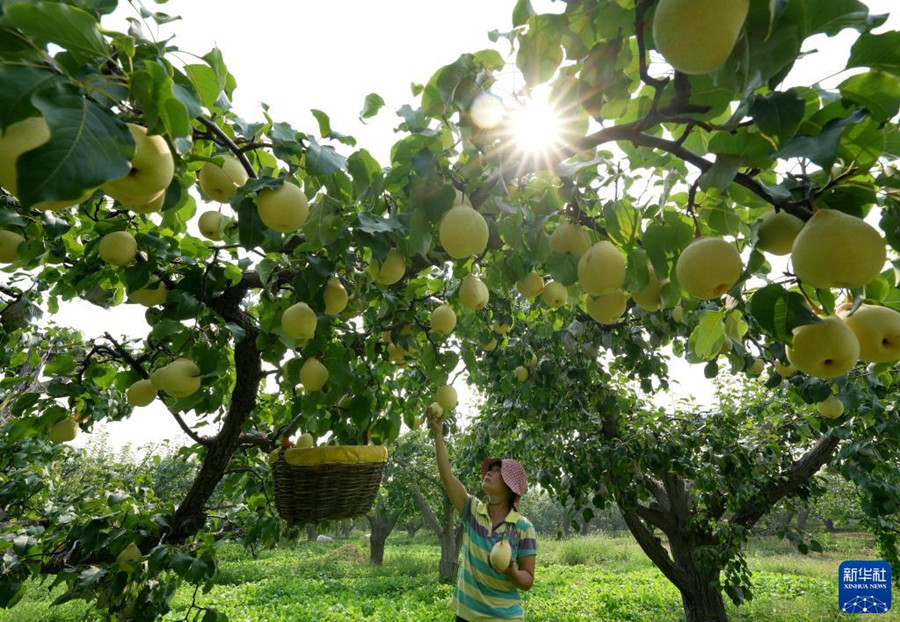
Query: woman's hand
(433, 419)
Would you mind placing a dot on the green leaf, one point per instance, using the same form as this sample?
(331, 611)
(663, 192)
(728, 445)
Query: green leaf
(325, 130)
(163, 103)
(880, 51)
(207, 83)
(779, 115)
(721, 174)
(707, 338)
(779, 312)
(11, 591)
(54, 22)
(19, 84)
(88, 146)
(372, 104)
(323, 160)
(419, 233)
(366, 172)
(821, 149)
(251, 230)
(563, 267)
(372, 224)
(876, 91)
(540, 52)
(60, 366)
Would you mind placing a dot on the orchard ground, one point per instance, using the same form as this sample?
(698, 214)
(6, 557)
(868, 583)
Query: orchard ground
(596, 577)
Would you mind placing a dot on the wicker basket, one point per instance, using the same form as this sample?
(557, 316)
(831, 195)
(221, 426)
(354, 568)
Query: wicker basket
(326, 483)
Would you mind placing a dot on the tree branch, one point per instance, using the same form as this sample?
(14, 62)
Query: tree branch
(427, 513)
(226, 140)
(787, 482)
(652, 546)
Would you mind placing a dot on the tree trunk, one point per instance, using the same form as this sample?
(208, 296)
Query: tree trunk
(347, 529)
(701, 599)
(413, 527)
(829, 524)
(584, 528)
(802, 517)
(312, 532)
(381, 526)
(448, 568)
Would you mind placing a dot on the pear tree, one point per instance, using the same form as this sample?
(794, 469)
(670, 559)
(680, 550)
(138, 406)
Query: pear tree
(306, 306)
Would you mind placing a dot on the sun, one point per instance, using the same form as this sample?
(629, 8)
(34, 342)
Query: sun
(536, 125)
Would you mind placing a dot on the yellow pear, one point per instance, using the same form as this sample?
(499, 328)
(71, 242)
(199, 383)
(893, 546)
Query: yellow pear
(756, 367)
(501, 328)
(837, 250)
(129, 554)
(313, 374)
(648, 298)
(64, 431)
(220, 183)
(18, 138)
(500, 556)
(283, 209)
(180, 378)
(601, 269)
(443, 320)
(831, 407)
(396, 354)
(785, 371)
(299, 322)
(390, 270)
(9, 246)
(606, 309)
(335, 296)
(154, 294)
(152, 169)
(531, 286)
(878, 331)
(446, 397)
(473, 293)
(305, 441)
(555, 294)
(210, 225)
(532, 360)
(697, 36)
(827, 349)
(435, 410)
(569, 237)
(118, 248)
(463, 232)
(152, 206)
(777, 232)
(489, 345)
(678, 314)
(521, 373)
(708, 268)
(141, 393)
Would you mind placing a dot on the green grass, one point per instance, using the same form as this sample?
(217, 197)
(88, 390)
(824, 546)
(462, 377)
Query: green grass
(604, 578)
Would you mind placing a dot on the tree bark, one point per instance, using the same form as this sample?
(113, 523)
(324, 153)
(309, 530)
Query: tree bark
(449, 531)
(413, 527)
(829, 524)
(700, 595)
(448, 568)
(312, 532)
(380, 526)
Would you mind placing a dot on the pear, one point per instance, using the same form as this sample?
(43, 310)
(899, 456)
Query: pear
(210, 225)
(154, 205)
(305, 441)
(777, 232)
(831, 407)
(313, 374)
(152, 170)
(153, 295)
(141, 393)
(648, 298)
(446, 397)
(708, 268)
(335, 296)
(299, 322)
(19, 138)
(64, 431)
(501, 328)
(180, 378)
(500, 556)
(785, 371)
(463, 232)
(531, 286)
(9, 246)
(129, 554)
(601, 269)
(283, 209)
(606, 309)
(118, 248)
(878, 331)
(220, 183)
(435, 410)
(837, 250)
(569, 237)
(490, 345)
(555, 294)
(678, 314)
(756, 367)
(443, 320)
(697, 36)
(473, 293)
(390, 270)
(521, 373)
(827, 349)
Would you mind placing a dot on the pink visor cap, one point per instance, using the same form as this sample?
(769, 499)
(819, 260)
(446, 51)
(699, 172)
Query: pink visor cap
(513, 474)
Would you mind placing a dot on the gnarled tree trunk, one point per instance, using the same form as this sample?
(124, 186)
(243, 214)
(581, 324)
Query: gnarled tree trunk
(381, 525)
(449, 531)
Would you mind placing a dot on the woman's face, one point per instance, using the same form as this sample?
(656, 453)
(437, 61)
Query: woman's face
(493, 483)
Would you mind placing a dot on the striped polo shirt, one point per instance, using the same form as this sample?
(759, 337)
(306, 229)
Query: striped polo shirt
(482, 594)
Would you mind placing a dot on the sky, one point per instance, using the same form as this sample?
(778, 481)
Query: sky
(295, 56)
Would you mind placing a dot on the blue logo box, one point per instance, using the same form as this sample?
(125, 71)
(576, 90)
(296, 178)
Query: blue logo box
(864, 587)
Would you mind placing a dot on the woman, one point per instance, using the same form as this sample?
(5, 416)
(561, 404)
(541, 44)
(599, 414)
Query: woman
(482, 593)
